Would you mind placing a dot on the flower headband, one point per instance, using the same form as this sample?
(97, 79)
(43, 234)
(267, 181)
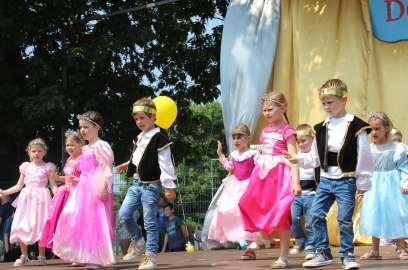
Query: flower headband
(376, 115)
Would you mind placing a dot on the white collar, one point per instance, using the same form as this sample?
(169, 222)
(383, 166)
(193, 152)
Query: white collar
(347, 117)
(148, 134)
(243, 156)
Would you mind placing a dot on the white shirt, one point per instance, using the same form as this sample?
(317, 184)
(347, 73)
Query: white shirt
(168, 175)
(336, 130)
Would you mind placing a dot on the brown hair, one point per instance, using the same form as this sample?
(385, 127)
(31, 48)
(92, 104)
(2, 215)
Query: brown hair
(93, 117)
(74, 135)
(241, 129)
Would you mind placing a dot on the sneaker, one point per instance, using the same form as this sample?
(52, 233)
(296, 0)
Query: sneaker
(309, 255)
(349, 262)
(41, 260)
(136, 248)
(280, 263)
(295, 250)
(149, 262)
(23, 260)
(320, 259)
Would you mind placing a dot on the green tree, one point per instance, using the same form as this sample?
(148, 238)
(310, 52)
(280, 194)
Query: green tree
(56, 62)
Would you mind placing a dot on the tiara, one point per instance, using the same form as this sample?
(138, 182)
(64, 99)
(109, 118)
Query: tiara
(333, 91)
(376, 115)
(86, 118)
(240, 130)
(267, 98)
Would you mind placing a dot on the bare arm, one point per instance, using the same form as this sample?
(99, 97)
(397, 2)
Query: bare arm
(291, 142)
(122, 167)
(16, 188)
(184, 232)
(166, 239)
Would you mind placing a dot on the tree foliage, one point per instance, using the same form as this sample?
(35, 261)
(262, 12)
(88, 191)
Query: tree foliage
(61, 58)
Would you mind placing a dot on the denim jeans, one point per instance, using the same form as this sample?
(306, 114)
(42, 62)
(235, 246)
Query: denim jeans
(146, 196)
(302, 206)
(329, 190)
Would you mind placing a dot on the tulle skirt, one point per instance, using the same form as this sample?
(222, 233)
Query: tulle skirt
(384, 213)
(226, 225)
(32, 206)
(265, 205)
(59, 201)
(84, 230)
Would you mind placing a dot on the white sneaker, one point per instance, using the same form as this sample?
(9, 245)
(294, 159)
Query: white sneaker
(136, 248)
(295, 250)
(149, 262)
(23, 260)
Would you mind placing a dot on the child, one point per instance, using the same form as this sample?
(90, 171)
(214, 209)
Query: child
(384, 213)
(84, 230)
(152, 168)
(302, 204)
(265, 205)
(396, 135)
(176, 235)
(33, 202)
(226, 225)
(73, 146)
(342, 151)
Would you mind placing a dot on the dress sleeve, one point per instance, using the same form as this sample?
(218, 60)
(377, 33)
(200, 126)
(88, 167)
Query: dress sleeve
(104, 153)
(401, 159)
(23, 167)
(51, 167)
(288, 131)
(226, 163)
(365, 163)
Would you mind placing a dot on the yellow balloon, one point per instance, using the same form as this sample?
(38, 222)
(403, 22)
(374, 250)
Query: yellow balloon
(166, 111)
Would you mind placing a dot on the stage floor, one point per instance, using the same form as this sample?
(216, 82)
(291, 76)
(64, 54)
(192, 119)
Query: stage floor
(229, 259)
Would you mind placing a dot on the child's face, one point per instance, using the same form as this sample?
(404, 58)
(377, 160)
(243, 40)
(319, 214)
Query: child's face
(334, 106)
(168, 212)
(143, 121)
(72, 147)
(397, 137)
(240, 142)
(272, 112)
(36, 153)
(304, 143)
(87, 130)
(379, 131)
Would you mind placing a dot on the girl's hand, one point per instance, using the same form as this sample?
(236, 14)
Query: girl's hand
(169, 194)
(289, 157)
(297, 189)
(404, 189)
(219, 149)
(53, 176)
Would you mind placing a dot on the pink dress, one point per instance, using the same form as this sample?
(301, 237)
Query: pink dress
(84, 230)
(226, 225)
(265, 206)
(59, 201)
(32, 204)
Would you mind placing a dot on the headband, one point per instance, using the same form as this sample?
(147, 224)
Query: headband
(86, 118)
(333, 91)
(141, 108)
(376, 115)
(240, 130)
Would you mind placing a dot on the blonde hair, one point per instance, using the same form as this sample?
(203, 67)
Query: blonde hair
(37, 141)
(241, 129)
(277, 98)
(396, 131)
(383, 117)
(74, 135)
(304, 130)
(145, 102)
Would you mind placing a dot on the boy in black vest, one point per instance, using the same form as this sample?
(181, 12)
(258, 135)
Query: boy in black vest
(342, 151)
(151, 167)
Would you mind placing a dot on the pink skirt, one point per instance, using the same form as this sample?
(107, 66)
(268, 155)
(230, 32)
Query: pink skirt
(59, 202)
(265, 205)
(226, 225)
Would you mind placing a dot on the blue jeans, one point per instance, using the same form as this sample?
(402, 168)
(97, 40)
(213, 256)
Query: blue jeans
(343, 191)
(146, 196)
(302, 206)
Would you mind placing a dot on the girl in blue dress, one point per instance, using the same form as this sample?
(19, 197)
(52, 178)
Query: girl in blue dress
(384, 213)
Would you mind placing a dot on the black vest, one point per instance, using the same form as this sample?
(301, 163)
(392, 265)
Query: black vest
(346, 158)
(149, 169)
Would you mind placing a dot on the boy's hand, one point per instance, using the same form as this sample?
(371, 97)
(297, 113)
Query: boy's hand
(169, 194)
(290, 158)
(297, 190)
(404, 189)
(121, 167)
(359, 198)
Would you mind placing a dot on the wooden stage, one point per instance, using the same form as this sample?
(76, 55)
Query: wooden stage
(229, 259)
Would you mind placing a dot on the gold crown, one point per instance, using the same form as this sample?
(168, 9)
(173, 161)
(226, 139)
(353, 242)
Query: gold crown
(141, 108)
(333, 91)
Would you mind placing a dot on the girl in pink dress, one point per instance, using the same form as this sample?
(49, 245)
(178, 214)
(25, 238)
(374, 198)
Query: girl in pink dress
(84, 230)
(73, 146)
(266, 204)
(226, 224)
(33, 202)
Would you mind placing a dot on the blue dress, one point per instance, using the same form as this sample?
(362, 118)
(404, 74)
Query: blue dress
(384, 213)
